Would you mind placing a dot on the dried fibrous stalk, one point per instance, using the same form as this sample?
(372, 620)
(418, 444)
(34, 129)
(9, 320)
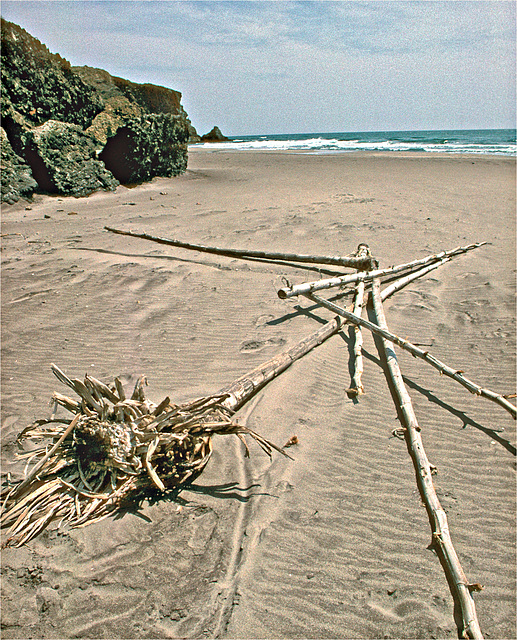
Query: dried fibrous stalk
(112, 450)
(117, 448)
(329, 283)
(361, 259)
(443, 368)
(441, 541)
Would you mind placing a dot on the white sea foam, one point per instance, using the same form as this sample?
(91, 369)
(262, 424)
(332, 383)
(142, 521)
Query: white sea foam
(430, 142)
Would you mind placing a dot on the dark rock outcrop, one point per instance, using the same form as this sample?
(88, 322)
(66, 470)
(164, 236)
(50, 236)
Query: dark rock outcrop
(125, 100)
(74, 130)
(117, 108)
(40, 85)
(214, 135)
(148, 146)
(16, 176)
(70, 163)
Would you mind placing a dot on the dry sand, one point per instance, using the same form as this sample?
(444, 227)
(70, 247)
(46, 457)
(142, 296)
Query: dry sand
(334, 543)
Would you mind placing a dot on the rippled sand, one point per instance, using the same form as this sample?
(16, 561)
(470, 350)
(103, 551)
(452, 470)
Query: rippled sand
(334, 543)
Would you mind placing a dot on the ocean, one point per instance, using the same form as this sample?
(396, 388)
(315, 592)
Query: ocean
(480, 141)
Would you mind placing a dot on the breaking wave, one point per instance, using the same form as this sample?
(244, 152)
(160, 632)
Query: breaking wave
(494, 141)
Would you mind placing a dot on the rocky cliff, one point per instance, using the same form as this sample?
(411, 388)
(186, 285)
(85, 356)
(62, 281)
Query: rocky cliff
(74, 130)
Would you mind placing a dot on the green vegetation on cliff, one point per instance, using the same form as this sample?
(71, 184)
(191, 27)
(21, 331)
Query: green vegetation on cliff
(74, 130)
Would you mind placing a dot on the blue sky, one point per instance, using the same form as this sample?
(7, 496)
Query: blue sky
(286, 67)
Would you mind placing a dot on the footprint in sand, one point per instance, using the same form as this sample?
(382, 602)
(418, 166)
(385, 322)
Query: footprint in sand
(250, 346)
(263, 320)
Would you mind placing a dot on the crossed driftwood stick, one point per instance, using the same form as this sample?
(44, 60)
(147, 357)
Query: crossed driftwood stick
(183, 432)
(368, 277)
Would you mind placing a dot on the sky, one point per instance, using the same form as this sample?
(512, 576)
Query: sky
(266, 67)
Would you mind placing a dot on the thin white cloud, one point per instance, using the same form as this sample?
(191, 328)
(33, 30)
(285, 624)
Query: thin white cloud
(379, 25)
(280, 66)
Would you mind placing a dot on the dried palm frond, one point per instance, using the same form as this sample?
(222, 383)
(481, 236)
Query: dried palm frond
(113, 449)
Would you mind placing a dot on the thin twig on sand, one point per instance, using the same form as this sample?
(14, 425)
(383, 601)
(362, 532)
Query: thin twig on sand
(405, 280)
(329, 283)
(363, 261)
(444, 369)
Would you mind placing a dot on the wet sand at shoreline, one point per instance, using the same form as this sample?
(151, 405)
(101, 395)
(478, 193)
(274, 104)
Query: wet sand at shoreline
(334, 543)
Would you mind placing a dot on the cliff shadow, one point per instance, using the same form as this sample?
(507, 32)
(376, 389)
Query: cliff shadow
(118, 156)
(26, 152)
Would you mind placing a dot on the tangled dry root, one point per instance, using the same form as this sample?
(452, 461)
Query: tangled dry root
(112, 450)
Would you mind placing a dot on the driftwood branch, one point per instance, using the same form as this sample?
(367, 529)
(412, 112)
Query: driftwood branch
(444, 369)
(405, 280)
(360, 260)
(460, 586)
(329, 283)
(357, 382)
(241, 390)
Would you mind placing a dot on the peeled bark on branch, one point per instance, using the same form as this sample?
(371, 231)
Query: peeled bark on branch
(329, 283)
(361, 261)
(357, 382)
(459, 584)
(444, 369)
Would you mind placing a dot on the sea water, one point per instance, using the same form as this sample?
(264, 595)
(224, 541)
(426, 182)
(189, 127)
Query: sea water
(484, 141)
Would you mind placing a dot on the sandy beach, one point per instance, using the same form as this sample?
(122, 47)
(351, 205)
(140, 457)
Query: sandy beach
(333, 544)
